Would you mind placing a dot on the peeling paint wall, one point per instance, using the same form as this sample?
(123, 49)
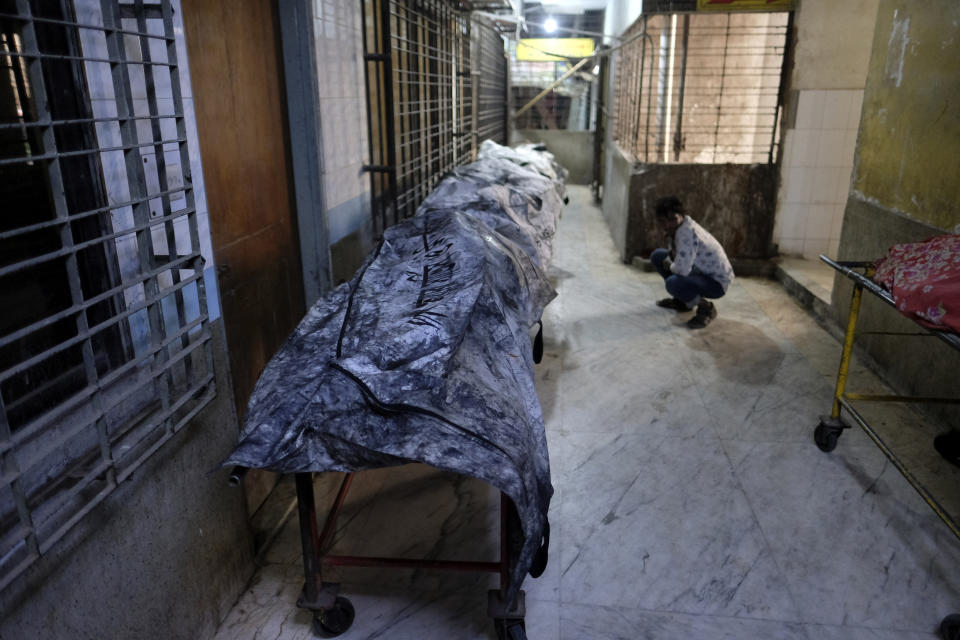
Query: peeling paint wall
(910, 131)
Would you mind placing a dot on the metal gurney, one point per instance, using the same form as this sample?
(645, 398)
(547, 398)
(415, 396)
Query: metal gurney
(424, 356)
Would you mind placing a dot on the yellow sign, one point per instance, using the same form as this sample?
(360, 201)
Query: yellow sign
(745, 5)
(540, 49)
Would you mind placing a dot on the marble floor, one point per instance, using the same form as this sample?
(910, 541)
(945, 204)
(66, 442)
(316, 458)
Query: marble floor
(691, 501)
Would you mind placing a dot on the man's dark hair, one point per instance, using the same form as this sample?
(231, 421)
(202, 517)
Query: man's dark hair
(669, 206)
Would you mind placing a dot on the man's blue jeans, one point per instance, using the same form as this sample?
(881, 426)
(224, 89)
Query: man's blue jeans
(687, 289)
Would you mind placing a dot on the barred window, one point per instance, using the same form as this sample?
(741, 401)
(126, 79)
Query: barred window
(435, 88)
(104, 343)
(701, 88)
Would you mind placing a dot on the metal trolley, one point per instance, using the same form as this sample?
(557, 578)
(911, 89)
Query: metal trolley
(831, 426)
(333, 614)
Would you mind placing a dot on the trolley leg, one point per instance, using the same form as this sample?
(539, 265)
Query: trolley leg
(830, 427)
(507, 616)
(332, 614)
(847, 350)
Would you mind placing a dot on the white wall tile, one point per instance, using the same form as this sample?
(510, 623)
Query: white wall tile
(824, 186)
(813, 247)
(831, 151)
(810, 110)
(855, 107)
(792, 221)
(843, 185)
(836, 221)
(849, 146)
(791, 246)
(818, 221)
(805, 144)
(798, 185)
(836, 109)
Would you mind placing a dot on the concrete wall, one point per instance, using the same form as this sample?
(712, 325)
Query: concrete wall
(831, 52)
(617, 184)
(343, 132)
(572, 149)
(164, 556)
(618, 15)
(904, 185)
(734, 202)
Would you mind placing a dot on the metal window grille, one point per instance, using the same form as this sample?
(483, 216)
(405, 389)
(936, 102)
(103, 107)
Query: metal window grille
(702, 88)
(421, 86)
(104, 343)
(490, 74)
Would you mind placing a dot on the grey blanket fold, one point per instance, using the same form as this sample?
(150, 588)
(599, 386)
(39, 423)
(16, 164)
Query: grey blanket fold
(424, 356)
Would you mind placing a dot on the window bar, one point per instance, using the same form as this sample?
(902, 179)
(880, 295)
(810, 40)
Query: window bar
(55, 176)
(371, 159)
(423, 120)
(57, 56)
(646, 136)
(9, 467)
(402, 89)
(44, 420)
(678, 134)
(70, 121)
(67, 23)
(387, 65)
(161, 165)
(138, 188)
(74, 248)
(382, 196)
(723, 77)
(638, 92)
(785, 65)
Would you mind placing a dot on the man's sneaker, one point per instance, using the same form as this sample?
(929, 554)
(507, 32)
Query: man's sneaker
(673, 303)
(705, 313)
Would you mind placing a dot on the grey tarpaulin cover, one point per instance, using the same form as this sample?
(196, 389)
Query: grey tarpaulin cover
(425, 355)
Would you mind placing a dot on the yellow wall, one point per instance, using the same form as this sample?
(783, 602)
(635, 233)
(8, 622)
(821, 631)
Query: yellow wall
(908, 154)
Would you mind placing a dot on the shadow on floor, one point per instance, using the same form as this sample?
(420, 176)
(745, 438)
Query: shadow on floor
(741, 351)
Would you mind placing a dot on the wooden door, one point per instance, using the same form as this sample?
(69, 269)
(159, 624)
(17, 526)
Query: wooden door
(237, 79)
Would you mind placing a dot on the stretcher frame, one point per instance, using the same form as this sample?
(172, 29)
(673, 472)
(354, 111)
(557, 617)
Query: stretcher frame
(333, 613)
(831, 426)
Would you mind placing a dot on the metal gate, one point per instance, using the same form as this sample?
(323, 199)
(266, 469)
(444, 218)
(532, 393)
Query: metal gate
(697, 88)
(428, 105)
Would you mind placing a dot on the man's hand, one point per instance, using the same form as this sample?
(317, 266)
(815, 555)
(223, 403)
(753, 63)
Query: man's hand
(667, 263)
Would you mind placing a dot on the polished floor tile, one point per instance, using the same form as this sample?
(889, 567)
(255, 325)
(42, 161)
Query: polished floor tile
(690, 500)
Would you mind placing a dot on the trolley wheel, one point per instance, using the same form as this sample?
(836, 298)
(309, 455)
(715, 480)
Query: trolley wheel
(510, 629)
(335, 620)
(950, 627)
(826, 437)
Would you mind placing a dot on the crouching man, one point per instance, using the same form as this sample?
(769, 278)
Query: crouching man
(694, 265)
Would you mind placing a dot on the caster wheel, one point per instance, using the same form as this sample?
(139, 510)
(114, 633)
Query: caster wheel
(336, 620)
(950, 627)
(826, 437)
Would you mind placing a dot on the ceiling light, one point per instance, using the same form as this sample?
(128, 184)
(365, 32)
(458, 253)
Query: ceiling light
(550, 25)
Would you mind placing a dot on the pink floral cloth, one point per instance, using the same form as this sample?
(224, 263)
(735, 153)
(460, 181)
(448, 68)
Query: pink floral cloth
(924, 280)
